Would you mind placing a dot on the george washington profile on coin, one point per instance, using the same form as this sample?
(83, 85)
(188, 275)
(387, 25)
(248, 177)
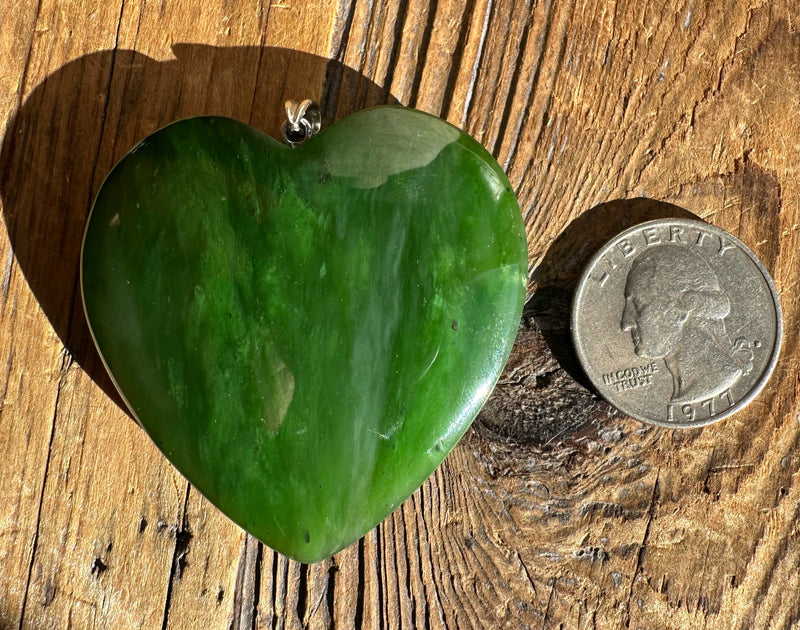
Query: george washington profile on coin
(675, 310)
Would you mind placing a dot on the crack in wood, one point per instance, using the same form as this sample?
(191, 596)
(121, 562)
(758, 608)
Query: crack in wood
(456, 60)
(422, 55)
(181, 548)
(639, 566)
(247, 586)
(35, 542)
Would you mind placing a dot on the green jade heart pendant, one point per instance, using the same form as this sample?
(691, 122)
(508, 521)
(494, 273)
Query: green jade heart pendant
(306, 332)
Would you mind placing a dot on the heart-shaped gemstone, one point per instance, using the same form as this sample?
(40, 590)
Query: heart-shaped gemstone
(306, 333)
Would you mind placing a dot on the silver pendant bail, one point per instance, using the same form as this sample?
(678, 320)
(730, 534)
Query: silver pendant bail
(303, 120)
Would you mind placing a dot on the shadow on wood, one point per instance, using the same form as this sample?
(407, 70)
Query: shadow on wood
(561, 268)
(544, 399)
(78, 122)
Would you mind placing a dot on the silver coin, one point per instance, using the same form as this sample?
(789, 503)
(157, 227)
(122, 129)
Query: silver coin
(676, 323)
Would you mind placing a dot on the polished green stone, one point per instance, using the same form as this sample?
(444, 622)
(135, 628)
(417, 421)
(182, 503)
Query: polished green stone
(306, 333)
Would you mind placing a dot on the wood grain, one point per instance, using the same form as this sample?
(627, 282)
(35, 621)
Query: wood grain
(555, 511)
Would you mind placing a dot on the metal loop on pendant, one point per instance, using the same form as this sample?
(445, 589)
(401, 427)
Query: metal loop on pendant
(303, 120)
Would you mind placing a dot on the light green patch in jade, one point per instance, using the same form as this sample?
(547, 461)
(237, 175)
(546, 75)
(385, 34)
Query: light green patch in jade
(306, 333)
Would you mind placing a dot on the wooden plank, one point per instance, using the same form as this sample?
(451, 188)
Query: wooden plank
(555, 510)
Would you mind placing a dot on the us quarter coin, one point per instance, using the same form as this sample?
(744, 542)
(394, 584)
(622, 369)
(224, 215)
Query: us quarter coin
(676, 323)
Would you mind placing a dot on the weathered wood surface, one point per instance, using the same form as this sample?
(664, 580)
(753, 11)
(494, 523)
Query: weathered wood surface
(554, 511)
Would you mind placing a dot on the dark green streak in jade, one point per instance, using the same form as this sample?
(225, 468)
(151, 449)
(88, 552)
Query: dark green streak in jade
(306, 333)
